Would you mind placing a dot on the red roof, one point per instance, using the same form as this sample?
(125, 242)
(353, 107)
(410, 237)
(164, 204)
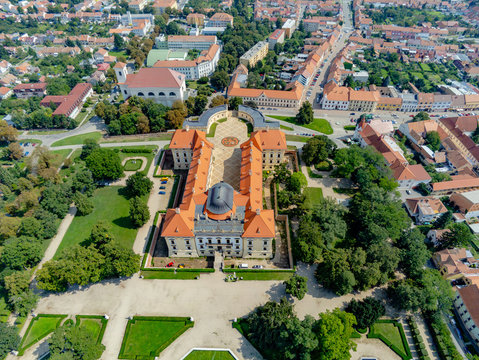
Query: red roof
(31, 86)
(155, 78)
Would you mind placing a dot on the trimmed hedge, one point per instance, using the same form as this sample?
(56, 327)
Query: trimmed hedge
(153, 354)
(137, 150)
(150, 239)
(104, 323)
(442, 338)
(418, 341)
(173, 192)
(158, 164)
(22, 347)
(393, 347)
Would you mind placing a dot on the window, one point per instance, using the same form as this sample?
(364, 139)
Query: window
(172, 93)
(141, 94)
(161, 93)
(250, 242)
(151, 94)
(265, 242)
(124, 91)
(187, 242)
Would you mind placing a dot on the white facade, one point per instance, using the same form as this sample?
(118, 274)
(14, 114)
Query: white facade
(471, 327)
(409, 103)
(334, 104)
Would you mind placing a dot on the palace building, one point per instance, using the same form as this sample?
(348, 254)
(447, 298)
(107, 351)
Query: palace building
(216, 217)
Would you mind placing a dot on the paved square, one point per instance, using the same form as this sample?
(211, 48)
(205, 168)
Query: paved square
(227, 159)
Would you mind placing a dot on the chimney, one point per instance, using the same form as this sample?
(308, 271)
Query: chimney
(187, 127)
(250, 173)
(177, 210)
(258, 211)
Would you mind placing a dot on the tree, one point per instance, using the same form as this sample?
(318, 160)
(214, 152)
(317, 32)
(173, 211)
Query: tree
(138, 185)
(9, 339)
(297, 182)
(7, 133)
(78, 342)
(31, 227)
(433, 140)
(120, 261)
(17, 283)
(460, 235)
(443, 221)
(334, 331)
(305, 114)
(15, 151)
(83, 203)
(118, 42)
(175, 119)
(104, 164)
(414, 253)
(218, 100)
(421, 116)
(139, 212)
(219, 79)
(200, 104)
(56, 199)
(317, 149)
(334, 271)
(234, 102)
(21, 253)
(23, 303)
(297, 286)
(88, 146)
(366, 311)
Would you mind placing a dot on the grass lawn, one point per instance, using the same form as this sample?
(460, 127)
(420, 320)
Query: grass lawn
(425, 67)
(350, 127)
(117, 53)
(283, 127)
(136, 139)
(320, 125)
(297, 138)
(313, 196)
(46, 132)
(146, 337)
(170, 275)
(211, 132)
(78, 139)
(33, 141)
(260, 274)
(389, 332)
(149, 156)
(40, 327)
(209, 355)
(96, 325)
(62, 154)
(133, 164)
(111, 207)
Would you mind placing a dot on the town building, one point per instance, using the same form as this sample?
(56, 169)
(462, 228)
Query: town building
(5, 92)
(457, 130)
(185, 42)
(203, 66)
(160, 6)
(425, 209)
(451, 186)
(467, 309)
(71, 104)
(256, 53)
(161, 85)
(195, 19)
(24, 91)
(289, 27)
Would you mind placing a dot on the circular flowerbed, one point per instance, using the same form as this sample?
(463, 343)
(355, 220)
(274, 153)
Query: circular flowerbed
(230, 141)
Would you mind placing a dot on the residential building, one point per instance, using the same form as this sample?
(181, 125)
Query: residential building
(5, 92)
(449, 187)
(441, 103)
(335, 97)
(161, 85)
(417, 131)
(220, 20)
(409, 176)
(457, 129)
(277, 37)
(289, 27)
(195, 19)
(389, 103)
(161, 5)
(24, 91)
(425, 101)
(215, 217)
(425, 210)
(467, 309)
(363, 101)
(456, 263)
(409, 102)
(256, 53)
(71, 104)
(203, 66)
(467, 202)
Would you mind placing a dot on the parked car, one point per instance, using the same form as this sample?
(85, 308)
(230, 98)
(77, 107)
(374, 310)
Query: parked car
(162, 193)
(164, 182)
(170, 264)
(162, 187)
(181, 266)
(408, 192)
(243, 266)
(257, 266)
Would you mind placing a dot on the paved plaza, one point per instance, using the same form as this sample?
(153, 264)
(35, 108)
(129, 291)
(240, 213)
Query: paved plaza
(227, 158)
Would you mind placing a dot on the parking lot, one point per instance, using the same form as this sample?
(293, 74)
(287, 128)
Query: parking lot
(28, 147)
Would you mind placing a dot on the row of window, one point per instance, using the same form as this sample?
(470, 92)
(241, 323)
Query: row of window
(161, 93)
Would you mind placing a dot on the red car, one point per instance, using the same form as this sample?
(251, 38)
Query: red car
(170, 264)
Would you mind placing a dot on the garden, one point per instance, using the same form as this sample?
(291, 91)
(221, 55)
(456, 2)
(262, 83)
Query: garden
(392, 334)
(146, 337)
(133, 164)
(40, 327)
(209, 355)
(321, 125)
(78, 139)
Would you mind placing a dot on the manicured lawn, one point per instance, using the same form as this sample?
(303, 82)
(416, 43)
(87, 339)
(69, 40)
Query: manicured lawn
(320, 125)
(78, 139)
(390, 335)
(62, 154)
(136, 139)
(349, 127)
(297, 138)
(117, 53)
(110, 206)
(283, 127)
(149, 156)
(209, 355)
(146, 337)
(211, 132)
(264, 275)
(33, 141)
(313, 196)
(170, 275)
(133, 164)
(96, 325)
(39, 328)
